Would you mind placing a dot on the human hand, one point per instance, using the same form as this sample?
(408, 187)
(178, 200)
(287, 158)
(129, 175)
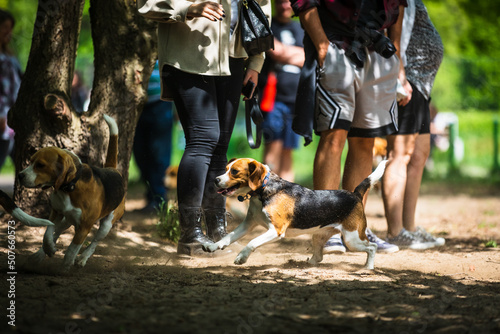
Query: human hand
(407, 87)
(252, 76)
(209, 10)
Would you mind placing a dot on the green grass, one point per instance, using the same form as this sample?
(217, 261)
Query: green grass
(476, 131)
(8, 167)
(168, 221)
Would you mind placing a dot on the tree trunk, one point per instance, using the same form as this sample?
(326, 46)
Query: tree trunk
(125, 49)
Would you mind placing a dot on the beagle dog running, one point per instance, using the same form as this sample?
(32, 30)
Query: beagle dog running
(287, 209)
(235, 208)
(83, 195)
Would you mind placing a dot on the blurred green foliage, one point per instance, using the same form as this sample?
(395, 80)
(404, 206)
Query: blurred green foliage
(25, 13)
(469, 30)
(468, 77)
(466, 82)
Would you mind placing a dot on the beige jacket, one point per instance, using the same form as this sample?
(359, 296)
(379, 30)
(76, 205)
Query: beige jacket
(198, 45)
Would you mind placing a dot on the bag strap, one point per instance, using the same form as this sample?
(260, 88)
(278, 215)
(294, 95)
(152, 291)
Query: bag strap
(253, 114)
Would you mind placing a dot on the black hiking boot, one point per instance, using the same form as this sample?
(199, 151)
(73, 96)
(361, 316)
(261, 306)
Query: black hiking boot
(192, 237)
(215, 219)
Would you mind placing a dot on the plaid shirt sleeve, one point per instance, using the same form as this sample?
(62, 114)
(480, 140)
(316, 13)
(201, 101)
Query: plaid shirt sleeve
(300, 6)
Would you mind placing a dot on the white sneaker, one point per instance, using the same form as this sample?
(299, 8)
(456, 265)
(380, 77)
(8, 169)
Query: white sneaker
(382, 246)
(412, 240)
(334, 245)
(427, 237)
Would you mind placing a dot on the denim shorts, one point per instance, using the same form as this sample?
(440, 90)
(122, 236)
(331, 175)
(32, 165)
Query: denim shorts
(278, 125)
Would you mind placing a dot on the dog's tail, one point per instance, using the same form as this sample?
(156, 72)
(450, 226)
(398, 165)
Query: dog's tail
(371, 179)
(8, 204)
(112, 155)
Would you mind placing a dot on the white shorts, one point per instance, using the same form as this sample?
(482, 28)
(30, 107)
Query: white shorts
(359, 100)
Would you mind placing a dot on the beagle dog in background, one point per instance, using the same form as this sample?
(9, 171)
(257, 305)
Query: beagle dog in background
(379, 154)
(287, 209)
(379, 150)
(82, 196)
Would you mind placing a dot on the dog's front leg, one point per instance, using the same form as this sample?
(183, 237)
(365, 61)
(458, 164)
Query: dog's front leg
(235, 235)
(269, 236)
(254, 214)
(104, 227)
(81, 233)
(49, 238)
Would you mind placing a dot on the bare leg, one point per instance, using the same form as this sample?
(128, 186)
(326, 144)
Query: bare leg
(272, 155)
(326, 174)
(414, 178)
(400, 148)
(286, 170)
(358, 163)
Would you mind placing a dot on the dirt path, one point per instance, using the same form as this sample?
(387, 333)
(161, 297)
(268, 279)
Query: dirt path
(135, 283)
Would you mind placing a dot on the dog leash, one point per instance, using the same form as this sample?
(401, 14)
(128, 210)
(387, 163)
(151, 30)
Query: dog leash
(253, 113)
(254, 192)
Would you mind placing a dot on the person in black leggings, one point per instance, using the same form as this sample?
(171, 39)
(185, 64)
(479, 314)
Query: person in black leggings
(207, 108)
(204, 67)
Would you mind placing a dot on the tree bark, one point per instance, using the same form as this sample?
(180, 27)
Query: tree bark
(125, 50)
(125, 47)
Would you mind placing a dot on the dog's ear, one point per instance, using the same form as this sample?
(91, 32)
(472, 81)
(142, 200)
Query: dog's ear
(232, 159)
(256, 173)
(67, 170)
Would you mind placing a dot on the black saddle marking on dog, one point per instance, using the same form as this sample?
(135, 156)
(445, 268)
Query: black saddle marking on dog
(313, 207)
(113, 185)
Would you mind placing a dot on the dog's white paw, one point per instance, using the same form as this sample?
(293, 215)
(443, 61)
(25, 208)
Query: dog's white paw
(210, 247)
(241, 258)
(81, 262)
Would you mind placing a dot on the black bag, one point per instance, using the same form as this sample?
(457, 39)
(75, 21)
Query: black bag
(253, 114)
(256, 35)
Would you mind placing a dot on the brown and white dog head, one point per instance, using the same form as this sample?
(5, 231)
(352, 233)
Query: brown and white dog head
(242, 175)
(50, 166)
(170, 179)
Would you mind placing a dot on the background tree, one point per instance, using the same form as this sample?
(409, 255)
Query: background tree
(124, 54)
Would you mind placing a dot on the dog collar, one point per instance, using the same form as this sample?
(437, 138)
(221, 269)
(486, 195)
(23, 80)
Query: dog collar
(70, 186)
(254, 192)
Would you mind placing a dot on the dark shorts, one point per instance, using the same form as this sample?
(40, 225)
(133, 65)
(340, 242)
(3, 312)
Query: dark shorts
(278, 126)
(415, 117)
